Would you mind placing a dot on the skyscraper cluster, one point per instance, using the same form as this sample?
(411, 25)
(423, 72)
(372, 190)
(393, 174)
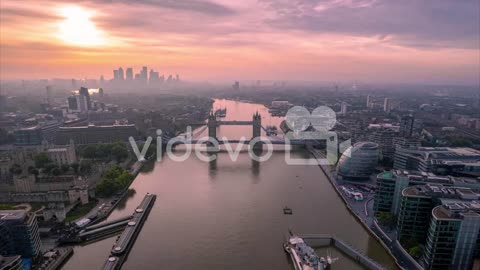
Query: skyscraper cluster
(143, 76)
(80, 102)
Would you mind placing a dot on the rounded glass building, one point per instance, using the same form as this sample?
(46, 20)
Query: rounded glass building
(359, 161)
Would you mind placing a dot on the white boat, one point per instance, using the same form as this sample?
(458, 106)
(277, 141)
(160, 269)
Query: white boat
(303, 256)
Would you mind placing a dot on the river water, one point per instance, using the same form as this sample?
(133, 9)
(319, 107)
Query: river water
(229, 214)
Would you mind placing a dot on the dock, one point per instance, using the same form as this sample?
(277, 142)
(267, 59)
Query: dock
(125, 241)
(316, 241)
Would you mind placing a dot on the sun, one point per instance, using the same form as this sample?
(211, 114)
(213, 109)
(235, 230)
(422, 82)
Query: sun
(78, 29)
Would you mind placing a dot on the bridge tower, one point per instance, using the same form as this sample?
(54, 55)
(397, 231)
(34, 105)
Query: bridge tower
(256, 125)
(212, 125)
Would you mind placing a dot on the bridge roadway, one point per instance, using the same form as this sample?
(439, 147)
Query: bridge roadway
(234, 123)
(200, 141)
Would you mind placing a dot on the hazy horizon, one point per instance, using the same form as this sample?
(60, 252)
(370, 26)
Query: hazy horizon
(427, 42)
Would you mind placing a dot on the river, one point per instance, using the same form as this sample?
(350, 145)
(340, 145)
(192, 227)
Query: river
(228, 215)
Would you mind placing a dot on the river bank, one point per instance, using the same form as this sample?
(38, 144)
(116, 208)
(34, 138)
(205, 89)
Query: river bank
(368, 221)
(228, 214)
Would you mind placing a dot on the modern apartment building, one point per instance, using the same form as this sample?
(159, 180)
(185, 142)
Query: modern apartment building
(390, 185)
(453, 235)
(19, 234)
(416, 206)
(437, 160)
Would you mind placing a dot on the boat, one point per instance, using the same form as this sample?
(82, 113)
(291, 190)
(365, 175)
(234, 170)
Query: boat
(303, 256)
(221, 113)
(284, 127)
(287, 211)
(271, 130)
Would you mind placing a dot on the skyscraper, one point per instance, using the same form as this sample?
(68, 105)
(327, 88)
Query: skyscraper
(476, 103)
(406, 126)
(236, 86)
(154, 77)
(84, 92)
(72, 103)
(387, 105)
(3, 103)
(144, 74)
(49, 94)
(343, 108)
(129, 74)
(121, 75)
(115, 75)
(77, 103)
(369, 101)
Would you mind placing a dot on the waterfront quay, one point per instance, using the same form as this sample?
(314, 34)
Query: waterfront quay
(229, 208)
(55, 258)
(362, 210)
(316, 241)
(125, 241)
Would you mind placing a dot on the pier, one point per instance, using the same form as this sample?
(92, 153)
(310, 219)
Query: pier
(100, 231)
(125, 241)
(318, 240)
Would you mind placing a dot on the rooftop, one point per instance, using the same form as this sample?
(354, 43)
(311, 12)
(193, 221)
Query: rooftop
(441, 191)
(7, 261)
(95, 127)
(456, 209)
(12, 214)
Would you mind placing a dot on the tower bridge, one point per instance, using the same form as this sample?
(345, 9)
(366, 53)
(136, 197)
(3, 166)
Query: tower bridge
(256, 123)
(213, 123)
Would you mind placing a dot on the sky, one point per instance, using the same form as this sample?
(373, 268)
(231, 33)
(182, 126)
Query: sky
(407, 41)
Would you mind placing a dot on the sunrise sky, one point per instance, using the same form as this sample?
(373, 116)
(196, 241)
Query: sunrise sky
(413, 41)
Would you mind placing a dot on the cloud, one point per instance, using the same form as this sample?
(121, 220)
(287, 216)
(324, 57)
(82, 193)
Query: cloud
(419, 24)
(272, 38)
(11, 12)
(203, 7)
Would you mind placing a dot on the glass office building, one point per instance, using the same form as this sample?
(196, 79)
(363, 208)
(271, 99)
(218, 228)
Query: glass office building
(359, 161)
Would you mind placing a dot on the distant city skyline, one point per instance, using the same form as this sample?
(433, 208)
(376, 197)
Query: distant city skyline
(432, 42)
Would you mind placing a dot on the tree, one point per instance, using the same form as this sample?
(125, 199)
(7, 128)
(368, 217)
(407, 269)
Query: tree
(119, 152)
(114, 180)
(415, 251)
(41, 160)
(75, 167)
(409, 243)
(90, 152)
(85, 167)
(65, 168)
(385, 218)
(33, 170)
(16, 169)
(49, 167)
(56, 171)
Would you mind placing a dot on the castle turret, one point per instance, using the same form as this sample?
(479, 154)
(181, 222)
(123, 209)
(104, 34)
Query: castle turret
(212, 125)
(257, 125)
